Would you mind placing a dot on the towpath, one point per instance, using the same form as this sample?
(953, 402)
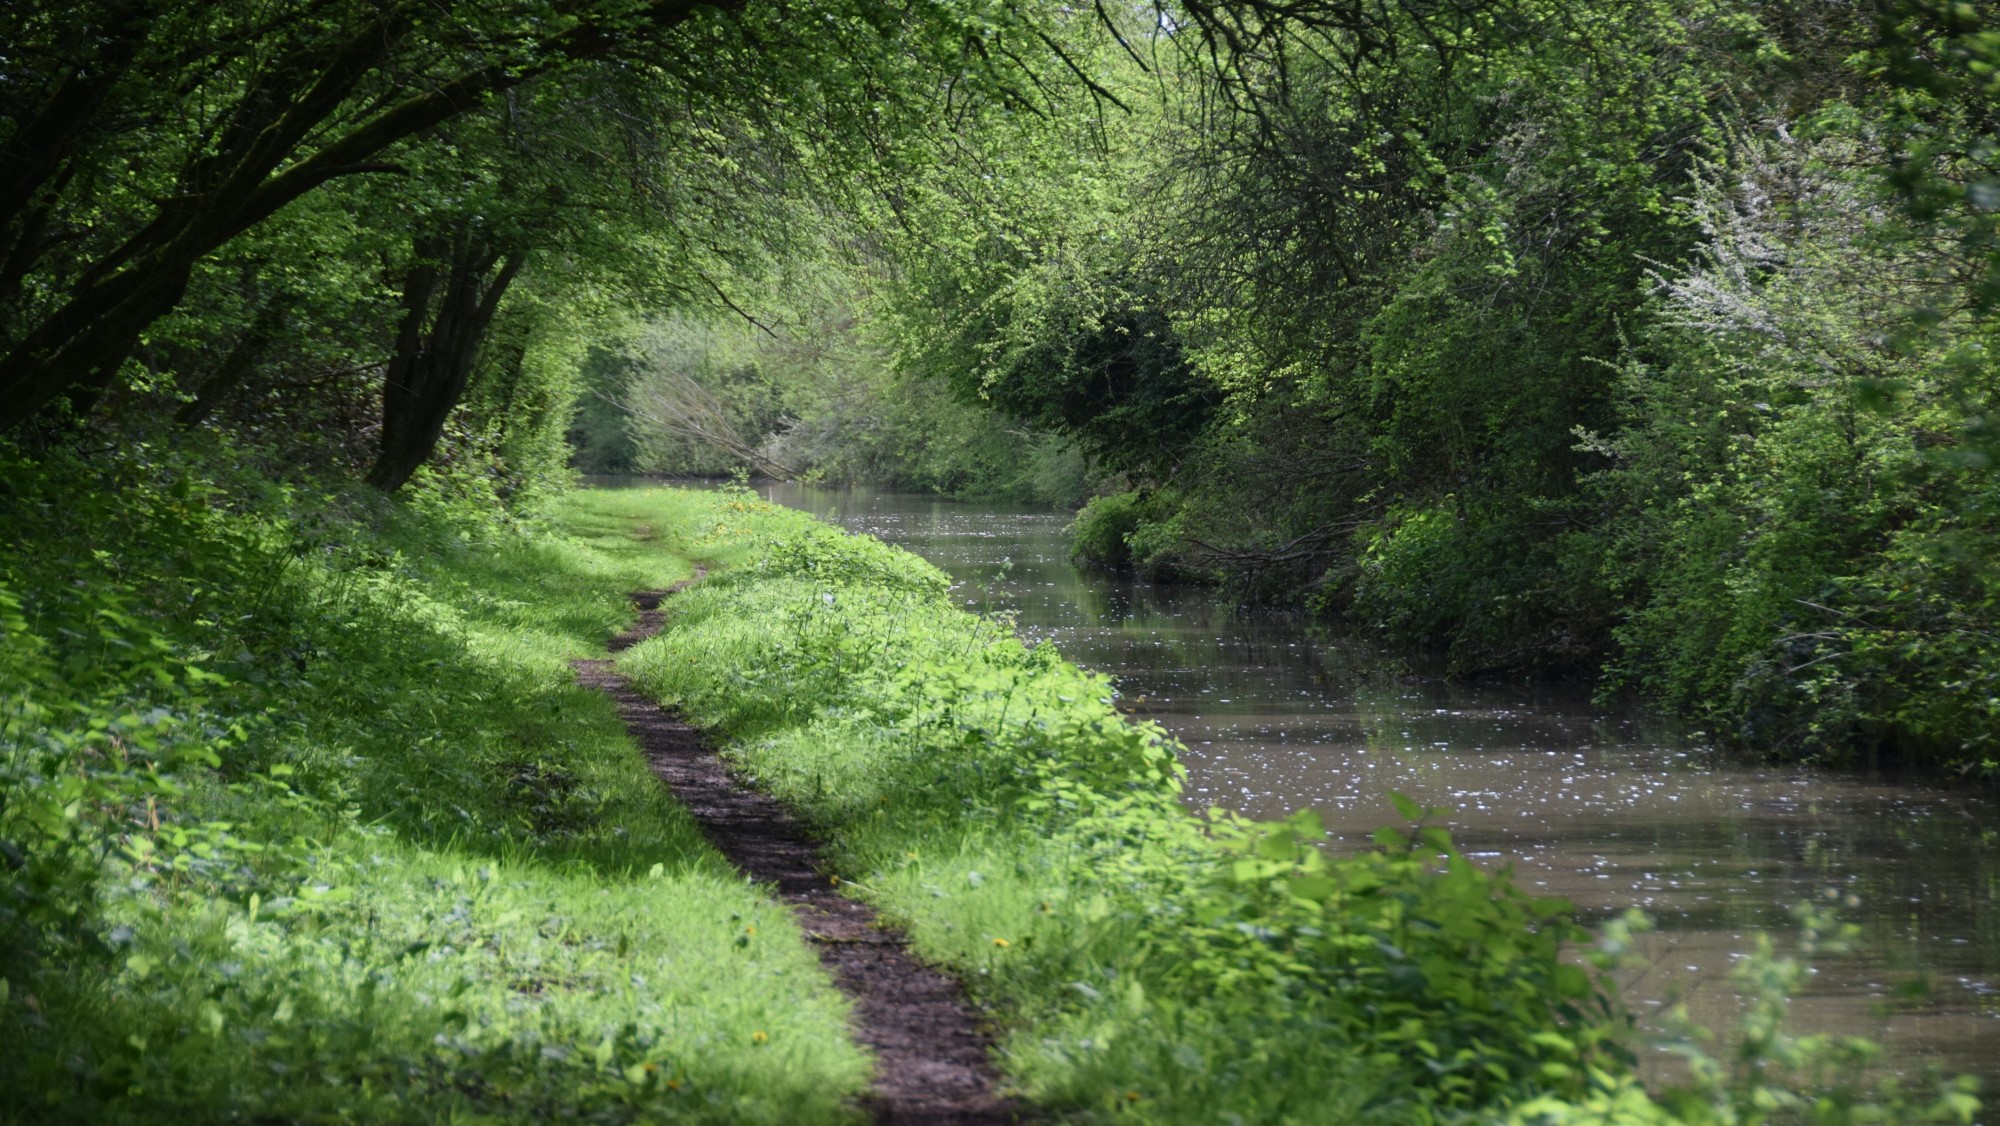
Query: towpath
(931, 1056)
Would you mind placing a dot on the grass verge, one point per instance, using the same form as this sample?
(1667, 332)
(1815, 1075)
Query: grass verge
(307, 820)
(1144, 963)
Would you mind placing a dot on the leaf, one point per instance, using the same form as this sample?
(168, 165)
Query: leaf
(1278, 844)
(1315, 888)
(1407, 809)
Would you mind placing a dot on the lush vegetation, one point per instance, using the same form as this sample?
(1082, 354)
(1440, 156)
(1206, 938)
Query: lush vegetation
(1143, 961)
(991, 795)
(1644, 340)
(305, 817)
(1649, 341)
(807, 398)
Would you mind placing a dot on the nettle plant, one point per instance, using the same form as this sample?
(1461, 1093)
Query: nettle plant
(109, 680)
(1429, 964)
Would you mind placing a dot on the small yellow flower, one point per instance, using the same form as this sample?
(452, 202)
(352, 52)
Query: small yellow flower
(751, 929)
(1131, 1096)
(1001, 942)
(673, 1084)
(652, 1067)
(759, 1037)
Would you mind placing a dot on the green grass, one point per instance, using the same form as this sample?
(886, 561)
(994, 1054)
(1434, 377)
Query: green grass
(1142, 963)
(426, 879)
(304, 818)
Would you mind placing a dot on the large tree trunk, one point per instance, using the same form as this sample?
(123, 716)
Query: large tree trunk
(449, 299)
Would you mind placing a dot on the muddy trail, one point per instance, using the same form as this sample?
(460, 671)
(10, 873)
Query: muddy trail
(931, 1058)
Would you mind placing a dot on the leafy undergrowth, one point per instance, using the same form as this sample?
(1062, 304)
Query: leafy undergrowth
(305, 819)
(1144, 963)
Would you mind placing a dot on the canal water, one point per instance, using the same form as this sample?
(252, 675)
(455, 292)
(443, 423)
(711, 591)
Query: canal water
(1603, 809)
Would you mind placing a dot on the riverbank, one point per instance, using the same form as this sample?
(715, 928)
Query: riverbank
(1138, 960)
(1604, 807)
(989, 796)
(307, 818)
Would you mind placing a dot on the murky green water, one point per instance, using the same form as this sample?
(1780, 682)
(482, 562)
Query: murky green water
(1603, 810)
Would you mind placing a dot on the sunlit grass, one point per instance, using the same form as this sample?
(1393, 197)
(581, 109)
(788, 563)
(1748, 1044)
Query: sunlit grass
(433, 882)
(1037, 913)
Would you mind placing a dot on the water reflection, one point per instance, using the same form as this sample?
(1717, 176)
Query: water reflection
(1606, 811)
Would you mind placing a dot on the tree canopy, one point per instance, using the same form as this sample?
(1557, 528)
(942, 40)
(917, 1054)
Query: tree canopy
(1401, 311)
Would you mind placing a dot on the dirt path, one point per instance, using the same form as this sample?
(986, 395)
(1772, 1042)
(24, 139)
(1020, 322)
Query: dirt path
(930, 1056)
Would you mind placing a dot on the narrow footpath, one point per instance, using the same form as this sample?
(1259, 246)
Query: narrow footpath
(931, 1058)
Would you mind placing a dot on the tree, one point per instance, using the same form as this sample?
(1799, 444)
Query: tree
(221, 117)
(453, 290)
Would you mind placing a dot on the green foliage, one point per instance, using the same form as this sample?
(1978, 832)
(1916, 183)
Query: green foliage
(1143, 961)
(1806, 525)
(1442, 967)
(1101, 534)
(906, 432)
(1307, 296)
(1770, 1075)
(1446, 576)
(1777, 1076)
(600, 439)
(306, 817)
(810, 393)
(1938, 62)
(702, 398)
(1650, 339)
(378, 234)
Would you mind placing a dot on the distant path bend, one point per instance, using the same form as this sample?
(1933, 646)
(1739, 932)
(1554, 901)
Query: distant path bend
(931, 1058)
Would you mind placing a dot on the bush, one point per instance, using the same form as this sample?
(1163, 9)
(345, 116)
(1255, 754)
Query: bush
(1805, 524)
(1101, 533)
